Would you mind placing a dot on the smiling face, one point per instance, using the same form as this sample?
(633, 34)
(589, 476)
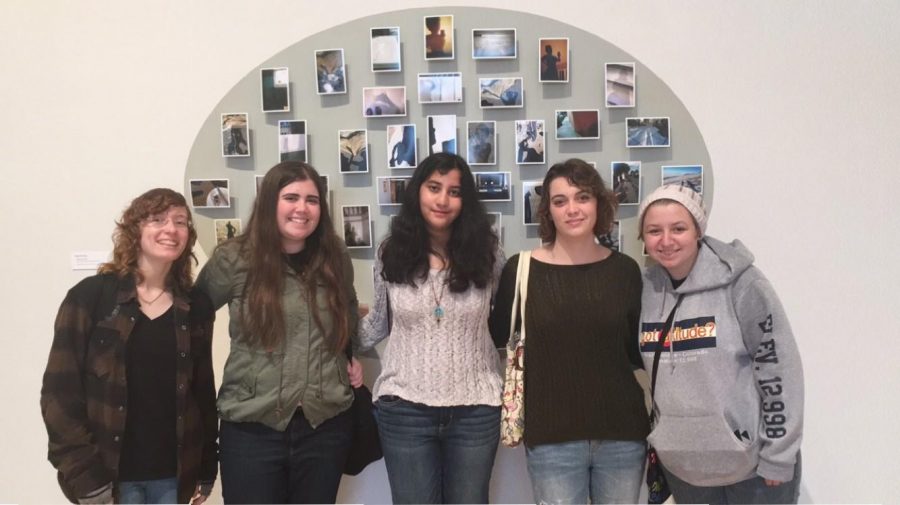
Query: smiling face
(164, 236)
(671, 237)
(440, 200)
(297, 214)
(572, 209)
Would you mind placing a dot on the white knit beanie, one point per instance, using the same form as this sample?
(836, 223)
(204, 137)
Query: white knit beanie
(687, 197)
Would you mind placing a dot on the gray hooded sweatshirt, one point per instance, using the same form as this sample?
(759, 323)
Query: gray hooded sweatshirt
(729, 389)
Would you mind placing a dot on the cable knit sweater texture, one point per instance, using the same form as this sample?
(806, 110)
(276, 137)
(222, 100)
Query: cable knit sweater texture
(439, 364)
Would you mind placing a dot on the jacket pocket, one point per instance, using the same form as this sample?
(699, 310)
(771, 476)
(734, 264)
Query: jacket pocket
(101, 354)
(703, 451)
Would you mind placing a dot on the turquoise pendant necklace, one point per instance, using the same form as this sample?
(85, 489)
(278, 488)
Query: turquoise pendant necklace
(438, 309)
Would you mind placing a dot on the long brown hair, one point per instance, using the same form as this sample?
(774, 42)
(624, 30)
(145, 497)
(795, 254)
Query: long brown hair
(585, 177)
(320, 260)
(127, 240)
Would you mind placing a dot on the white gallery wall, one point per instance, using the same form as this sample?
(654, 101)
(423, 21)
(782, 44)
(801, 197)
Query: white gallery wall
(798, 104)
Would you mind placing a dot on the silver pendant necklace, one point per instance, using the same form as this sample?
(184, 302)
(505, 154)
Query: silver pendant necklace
(438, 309)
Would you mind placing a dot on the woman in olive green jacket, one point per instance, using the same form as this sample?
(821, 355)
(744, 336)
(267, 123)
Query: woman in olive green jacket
(288, 283)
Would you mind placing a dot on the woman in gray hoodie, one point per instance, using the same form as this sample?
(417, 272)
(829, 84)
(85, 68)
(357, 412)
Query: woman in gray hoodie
(728, 387)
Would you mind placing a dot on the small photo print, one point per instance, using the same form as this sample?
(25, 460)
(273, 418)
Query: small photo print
(577, 124)
(226, 229)
(401, 146)
(626, 181)
(275, 95)
(443, 87)
(258, 179)
(353, 149)
(531, 199)
(496, 220)
(554, 60)
(494, 43)
(441, 134)
(439, 37)
(481, 142)
(357, 226)
(384, 101)
(385, 44)
(390, 190)
(292, 140)
(493, 186)
(620, 88)
(530, 141)
(690, 176)
(210, 193)
(613, 239)
(498, 93)
(331, 73)
(647, 132)
(235, 135)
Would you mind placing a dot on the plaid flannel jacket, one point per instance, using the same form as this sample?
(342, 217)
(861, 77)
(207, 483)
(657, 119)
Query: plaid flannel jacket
(84, 393)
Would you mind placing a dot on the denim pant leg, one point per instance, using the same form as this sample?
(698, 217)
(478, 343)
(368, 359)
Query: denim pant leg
(149, 491)
(317, 457)
(469, 446)
(617, 470)
(253, 460)
(560, 473)
(411, 447)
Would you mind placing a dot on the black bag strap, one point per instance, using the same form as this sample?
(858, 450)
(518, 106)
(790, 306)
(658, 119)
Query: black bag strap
(660, 343)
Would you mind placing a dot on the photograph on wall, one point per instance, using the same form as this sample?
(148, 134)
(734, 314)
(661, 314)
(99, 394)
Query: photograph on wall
(647, 132)
(210, 193)
(493, 43)
(235, 135)
(493, 186)
(626, 181)
(481, 142)
(445, 87)
(496, 220)
(275, 95)
(578, 124)
(613, 239)
(258, 179)
(531, 200)
(441, 134)
(439, 43)
(292, 140)
(390, 190)
(384, 101)
(620, 87)
(331, 73)
(690, 176)
(554, 60)
(530, 141)
(385, 45)
(226, 229)
(353, 150)
(357, 226)
(401, 146)
(502, 92)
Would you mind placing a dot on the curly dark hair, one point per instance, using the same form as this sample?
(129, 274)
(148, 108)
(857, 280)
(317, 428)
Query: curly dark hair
(472, 245)
(579, 173)
(127, 240)
(321, 260)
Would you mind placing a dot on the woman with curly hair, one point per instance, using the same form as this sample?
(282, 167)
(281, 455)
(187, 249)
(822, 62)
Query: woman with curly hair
(128, 395)
(438, 395)
(285, 394)
(585, 415)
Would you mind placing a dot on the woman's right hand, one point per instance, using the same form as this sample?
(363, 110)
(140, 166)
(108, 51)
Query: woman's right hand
(362, 310)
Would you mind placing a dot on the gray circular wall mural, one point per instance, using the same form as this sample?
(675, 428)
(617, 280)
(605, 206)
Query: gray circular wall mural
(511, 92)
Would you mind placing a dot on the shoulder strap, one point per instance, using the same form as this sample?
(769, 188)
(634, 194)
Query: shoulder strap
(661, 342)
(521, 293)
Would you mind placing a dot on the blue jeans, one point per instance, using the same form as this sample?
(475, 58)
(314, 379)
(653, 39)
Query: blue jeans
(149, 491)
(438, 454)
(753, 490)
(299, 465)
(602, 471)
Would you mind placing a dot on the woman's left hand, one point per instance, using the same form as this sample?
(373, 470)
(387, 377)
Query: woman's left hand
(355, 372)
(198, 498)
(773, 483)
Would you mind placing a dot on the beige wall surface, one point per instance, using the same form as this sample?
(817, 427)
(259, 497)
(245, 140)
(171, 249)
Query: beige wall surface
(797, 103)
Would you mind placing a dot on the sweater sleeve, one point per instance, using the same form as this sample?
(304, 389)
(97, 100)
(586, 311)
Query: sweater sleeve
(71, 447)
(376, 325)
(635, 285)
(778, 372)
(503, 300)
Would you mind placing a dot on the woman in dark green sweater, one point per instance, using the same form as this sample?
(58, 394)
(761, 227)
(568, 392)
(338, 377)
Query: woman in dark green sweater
(586, 420)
